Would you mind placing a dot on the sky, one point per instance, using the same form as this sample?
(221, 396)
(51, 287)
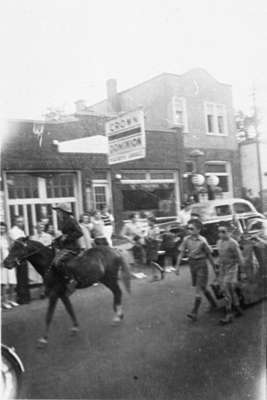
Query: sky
(58, 51)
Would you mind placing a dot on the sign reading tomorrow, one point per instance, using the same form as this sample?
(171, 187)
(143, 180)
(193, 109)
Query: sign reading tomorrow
(126, 137)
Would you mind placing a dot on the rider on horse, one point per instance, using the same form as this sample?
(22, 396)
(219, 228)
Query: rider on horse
(67, 243)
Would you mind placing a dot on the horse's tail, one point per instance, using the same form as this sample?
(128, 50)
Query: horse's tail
(125, 273)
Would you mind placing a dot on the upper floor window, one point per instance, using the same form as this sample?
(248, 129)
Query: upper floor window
(215, 115)
(179, 113)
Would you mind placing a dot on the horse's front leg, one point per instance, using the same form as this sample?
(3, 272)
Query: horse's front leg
(67, 303)
(53, 298)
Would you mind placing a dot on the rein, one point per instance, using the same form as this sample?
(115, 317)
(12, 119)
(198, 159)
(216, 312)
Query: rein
(19, 260)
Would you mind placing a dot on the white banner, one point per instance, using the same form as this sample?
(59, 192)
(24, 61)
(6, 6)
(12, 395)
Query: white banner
(126, 137)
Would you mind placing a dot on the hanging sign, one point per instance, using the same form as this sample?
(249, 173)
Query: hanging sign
(126, 137)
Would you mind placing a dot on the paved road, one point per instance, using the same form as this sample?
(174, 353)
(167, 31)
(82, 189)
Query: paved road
(155, 354)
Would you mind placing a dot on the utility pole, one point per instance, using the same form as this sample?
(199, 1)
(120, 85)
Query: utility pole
(256, 122)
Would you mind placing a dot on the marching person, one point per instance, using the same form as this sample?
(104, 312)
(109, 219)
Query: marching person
(230, 257)
(108, 220)
(153, 241)
(23, 291)
(8, 276)
(67, 243)
(196, 248)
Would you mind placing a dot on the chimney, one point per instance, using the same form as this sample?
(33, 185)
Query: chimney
(80, 106)
(113, 96)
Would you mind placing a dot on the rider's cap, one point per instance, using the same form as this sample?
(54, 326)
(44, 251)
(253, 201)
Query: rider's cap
(63, 207)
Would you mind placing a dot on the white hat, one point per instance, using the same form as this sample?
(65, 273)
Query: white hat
(65, 207)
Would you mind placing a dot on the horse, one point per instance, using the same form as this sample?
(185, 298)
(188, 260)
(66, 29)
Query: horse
(99, 264)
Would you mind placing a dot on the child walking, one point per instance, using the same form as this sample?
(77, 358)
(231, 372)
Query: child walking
(230, 258)
(196, 248)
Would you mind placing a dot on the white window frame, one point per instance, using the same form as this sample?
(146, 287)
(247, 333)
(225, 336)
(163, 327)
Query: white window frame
(184, 123)
(102, 183)
(215, 114)
(228, 173)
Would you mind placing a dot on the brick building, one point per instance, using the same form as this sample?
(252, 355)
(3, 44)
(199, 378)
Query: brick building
(44, 163)
(198, 103)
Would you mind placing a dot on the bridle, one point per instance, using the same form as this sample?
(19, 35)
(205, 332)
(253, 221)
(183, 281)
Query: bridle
(18, 260)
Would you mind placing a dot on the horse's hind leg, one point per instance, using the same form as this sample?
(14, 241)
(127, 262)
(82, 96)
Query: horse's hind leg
(48, 318)
(112, 284)
(67, 303)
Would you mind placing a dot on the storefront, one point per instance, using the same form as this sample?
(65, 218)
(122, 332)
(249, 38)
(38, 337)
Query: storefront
(32, 194)
(146, 192)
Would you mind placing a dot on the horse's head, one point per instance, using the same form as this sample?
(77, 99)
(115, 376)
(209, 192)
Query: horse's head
(18, 252)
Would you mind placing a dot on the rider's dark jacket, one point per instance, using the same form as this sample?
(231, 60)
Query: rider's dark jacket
(72, 230)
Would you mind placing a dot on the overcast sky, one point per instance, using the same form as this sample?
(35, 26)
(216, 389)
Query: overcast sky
(58, 51)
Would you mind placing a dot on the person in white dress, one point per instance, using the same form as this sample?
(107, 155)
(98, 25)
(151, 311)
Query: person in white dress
(108, 220)
(8, 276)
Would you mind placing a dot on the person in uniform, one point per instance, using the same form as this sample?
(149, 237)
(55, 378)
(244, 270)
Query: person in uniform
(198, 251)
(67, 243)
(230, 258)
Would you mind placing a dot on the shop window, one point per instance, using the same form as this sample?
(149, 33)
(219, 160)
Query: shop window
(60, 185)
(158, 199)
(22, 186)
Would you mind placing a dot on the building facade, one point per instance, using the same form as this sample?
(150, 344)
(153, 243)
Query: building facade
(203, 107)
(44, 163)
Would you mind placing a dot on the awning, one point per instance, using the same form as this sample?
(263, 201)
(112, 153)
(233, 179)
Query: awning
(93, 144)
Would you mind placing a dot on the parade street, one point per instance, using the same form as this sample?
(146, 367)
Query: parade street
(156, 353)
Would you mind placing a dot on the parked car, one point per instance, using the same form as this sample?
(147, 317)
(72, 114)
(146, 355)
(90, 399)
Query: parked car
(241, 216)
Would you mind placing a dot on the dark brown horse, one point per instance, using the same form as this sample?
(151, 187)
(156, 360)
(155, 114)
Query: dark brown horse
(100, 264)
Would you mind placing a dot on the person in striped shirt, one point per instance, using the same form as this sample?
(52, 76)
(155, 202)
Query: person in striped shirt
(108, 220)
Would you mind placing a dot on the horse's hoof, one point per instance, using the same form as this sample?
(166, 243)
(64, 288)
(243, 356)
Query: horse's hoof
(41, 343)
(74, 330)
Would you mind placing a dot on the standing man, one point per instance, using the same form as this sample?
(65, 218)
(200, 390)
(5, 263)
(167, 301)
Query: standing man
(230, 257)
(23, 291)
(67, 243)
(198, 252)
